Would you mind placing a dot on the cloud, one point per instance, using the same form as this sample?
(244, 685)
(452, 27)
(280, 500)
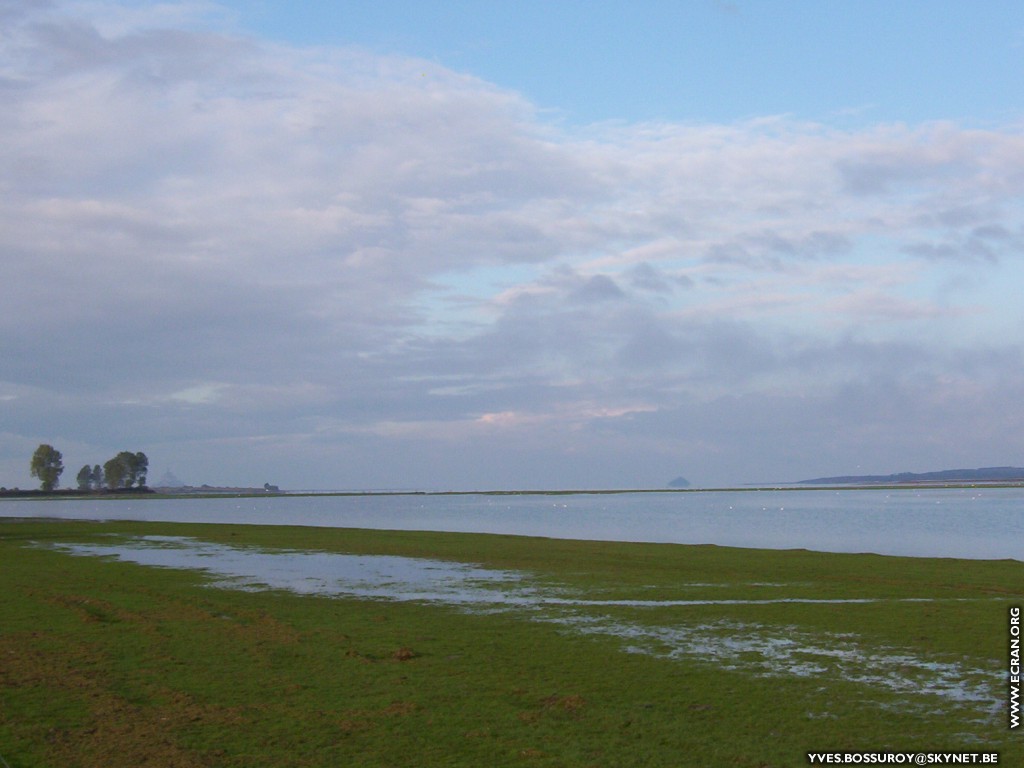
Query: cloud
(208, 239)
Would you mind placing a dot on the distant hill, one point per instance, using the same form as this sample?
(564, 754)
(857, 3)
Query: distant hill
(679, 482)
(981, 475)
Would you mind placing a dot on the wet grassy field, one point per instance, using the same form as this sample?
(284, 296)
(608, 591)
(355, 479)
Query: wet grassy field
(574, 654)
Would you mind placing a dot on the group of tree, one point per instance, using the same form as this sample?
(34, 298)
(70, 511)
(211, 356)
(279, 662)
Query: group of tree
(126, 470)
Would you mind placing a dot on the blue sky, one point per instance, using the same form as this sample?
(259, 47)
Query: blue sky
(511, 245)
(703, 60)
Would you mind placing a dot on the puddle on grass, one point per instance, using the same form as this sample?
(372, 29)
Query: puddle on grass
(747, 647)
(386, 577)
(787, 650)
(322, 573)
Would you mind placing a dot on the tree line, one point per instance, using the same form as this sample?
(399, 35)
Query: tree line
(126, 470)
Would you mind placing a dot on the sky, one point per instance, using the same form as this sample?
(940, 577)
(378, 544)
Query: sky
(471, 245)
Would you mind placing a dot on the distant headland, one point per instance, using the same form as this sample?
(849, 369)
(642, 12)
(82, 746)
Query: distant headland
(980, 475)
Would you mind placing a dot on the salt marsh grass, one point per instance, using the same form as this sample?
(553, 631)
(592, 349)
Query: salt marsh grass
(269, 646)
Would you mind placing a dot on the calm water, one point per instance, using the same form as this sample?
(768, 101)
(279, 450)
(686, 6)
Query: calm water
(986, 523)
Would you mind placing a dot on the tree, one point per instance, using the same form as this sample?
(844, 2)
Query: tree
(90, 478)
(126, 469)
(141, 468)
(47, 465)
(115, 472)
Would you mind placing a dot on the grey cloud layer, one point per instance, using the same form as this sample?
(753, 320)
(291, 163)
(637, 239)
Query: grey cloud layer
(207, 240)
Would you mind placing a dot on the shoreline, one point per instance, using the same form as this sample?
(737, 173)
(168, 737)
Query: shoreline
(215, 492)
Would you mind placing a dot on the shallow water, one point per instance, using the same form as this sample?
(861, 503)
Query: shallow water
(321, 573)
(388, 577)
(750, 647)
(774, 650)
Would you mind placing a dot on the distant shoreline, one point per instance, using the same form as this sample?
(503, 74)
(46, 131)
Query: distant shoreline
(209, 492)
(979, 475)
(73, 493)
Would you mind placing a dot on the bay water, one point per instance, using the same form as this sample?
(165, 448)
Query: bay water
(975, 523)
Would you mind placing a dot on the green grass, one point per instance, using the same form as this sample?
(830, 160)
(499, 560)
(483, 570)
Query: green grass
(106, 663)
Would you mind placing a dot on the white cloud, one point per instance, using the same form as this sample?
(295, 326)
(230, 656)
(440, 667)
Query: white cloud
(336, 237)
(200, 394)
